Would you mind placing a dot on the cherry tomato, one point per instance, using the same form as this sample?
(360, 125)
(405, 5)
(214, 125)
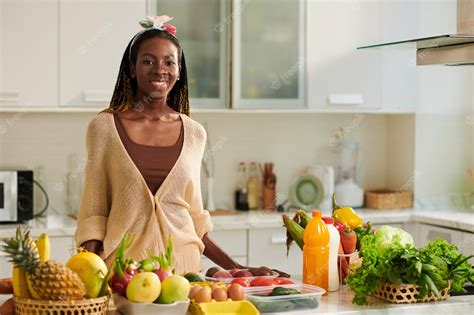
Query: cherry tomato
(242, 282)
(282, 281)
(261, 282)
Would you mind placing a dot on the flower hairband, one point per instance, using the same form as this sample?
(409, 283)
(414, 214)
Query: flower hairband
(160, 23)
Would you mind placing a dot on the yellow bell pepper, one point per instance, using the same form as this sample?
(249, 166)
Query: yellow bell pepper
(346, 215)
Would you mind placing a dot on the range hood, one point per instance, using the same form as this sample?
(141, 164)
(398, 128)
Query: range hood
(450, 49)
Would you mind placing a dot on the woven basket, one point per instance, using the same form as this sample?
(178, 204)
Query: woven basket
(386, 199)
(407, 293)
(42, 307)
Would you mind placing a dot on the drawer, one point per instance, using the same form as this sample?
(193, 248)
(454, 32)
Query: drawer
(233, 242)
(207, 263)
(267, 247)
(428, 233)
(5, 267)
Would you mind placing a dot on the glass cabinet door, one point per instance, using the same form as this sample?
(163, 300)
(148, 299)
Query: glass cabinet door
(268, 54)
(203, 32)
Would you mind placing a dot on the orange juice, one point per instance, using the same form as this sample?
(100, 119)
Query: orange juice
(316, 252)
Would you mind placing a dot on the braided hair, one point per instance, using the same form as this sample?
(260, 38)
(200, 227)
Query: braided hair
(126, 87)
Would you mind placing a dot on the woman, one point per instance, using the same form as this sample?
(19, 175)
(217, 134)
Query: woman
(144, 157)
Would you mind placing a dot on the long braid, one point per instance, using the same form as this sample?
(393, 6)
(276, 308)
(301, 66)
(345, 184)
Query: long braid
(123, 97)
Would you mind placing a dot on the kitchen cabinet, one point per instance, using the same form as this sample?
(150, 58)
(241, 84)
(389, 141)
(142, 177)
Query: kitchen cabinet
(267, 247)
(93, 36)
(427, 233)
(268, 54)
(203, 31)
(29, 53)
(467, 247)
(233, 242)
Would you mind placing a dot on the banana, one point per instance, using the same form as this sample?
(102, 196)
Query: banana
(20, 286)
(32, 290)
(44, 247)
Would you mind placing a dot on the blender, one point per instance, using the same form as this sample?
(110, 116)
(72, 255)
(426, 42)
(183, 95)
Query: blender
(347, 191)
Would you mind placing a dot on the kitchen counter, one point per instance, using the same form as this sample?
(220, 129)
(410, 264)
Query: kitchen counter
(62, 225)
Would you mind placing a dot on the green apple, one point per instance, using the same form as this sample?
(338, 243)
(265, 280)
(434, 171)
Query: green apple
(175, 288)
(91, 269)
(145, 287)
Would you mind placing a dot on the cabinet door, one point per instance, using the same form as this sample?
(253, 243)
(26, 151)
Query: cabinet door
(233, 242)
(29, 53)
(6, 267)
(62, 247)
(207, 263)
(427, 233)
(268, 54)
(267, 247)
(202, 29)
(93, 38)
(340, 76)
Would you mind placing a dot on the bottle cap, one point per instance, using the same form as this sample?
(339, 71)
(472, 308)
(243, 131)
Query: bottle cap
(317, 214)
(328, 220)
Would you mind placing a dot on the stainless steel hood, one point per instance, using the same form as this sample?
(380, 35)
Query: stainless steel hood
(450, 49)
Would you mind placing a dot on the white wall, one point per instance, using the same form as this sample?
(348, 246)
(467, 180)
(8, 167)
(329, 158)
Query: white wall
(291, 141)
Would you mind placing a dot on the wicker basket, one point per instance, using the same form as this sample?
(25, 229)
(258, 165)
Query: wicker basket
(42, 307)
(407, 293)
(386, 199)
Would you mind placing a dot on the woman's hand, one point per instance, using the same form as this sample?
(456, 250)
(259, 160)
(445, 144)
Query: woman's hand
(93, 246)
(280, 273)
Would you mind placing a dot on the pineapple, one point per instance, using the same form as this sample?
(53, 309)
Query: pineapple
(48, 280)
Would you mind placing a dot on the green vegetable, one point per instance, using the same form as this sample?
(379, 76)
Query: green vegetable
(283, 291)
(386, 236)
(193, 277)
(430, 267)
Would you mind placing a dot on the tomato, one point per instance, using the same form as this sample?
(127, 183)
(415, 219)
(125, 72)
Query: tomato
(282, 281)
(242, 282)
(261, 282)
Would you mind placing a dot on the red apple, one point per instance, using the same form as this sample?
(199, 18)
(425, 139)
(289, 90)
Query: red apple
(222, 274)
(243, 273)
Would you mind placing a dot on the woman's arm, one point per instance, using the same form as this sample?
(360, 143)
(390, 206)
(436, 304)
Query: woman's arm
(220, 258)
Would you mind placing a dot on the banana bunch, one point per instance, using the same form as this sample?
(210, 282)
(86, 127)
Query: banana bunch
(295, 228)
(21, 286)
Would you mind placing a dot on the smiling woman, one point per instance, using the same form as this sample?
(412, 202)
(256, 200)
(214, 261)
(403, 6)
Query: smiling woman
(144, 157)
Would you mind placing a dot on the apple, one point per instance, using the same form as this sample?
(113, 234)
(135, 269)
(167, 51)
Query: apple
(243, 273)
(222, 274)
(145, 287)
(175, 288)
(91, 269)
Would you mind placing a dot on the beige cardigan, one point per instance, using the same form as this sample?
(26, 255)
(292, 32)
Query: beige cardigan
(117, 200)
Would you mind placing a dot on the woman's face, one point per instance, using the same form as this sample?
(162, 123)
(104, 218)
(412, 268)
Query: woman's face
(156, 69)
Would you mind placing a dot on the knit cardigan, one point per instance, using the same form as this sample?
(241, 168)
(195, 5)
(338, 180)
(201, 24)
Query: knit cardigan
(116, 199)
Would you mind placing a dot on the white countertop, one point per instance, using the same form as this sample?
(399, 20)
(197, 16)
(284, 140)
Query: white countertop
(62, 225)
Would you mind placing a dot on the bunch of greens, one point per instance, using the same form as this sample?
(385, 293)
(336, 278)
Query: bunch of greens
(390, 257)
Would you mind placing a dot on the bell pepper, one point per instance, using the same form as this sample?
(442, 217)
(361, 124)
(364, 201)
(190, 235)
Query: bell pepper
(345, 215)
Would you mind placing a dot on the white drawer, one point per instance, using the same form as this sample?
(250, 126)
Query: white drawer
(233, 242)
(267, 247)
(207, 263)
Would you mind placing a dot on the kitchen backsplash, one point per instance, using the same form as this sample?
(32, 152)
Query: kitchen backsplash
(292, 141)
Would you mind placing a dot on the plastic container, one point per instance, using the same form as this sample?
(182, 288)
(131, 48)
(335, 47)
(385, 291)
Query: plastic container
(229, 280)
(334, 240)
(309, 299)
(125, 306)
(228, 308)
(316, 252)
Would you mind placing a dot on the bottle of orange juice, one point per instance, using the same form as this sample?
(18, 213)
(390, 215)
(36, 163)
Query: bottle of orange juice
(316, 252)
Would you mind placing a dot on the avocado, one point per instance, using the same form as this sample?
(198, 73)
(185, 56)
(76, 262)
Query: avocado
(193, 277)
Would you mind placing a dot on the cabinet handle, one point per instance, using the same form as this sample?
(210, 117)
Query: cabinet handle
(9, 96)
(278, 239)
(96, 96)
(345, 99)
(432, 235)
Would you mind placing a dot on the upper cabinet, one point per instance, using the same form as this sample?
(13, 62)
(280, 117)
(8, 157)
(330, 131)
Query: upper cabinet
(203, 33)
(28, 53)
(93, 37)
(268, 54)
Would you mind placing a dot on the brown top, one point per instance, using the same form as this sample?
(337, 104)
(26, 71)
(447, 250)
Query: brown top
(153, 162)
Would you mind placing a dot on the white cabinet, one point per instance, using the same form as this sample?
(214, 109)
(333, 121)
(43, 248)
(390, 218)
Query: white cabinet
(5, 267)
(233, 242)
(467, 247)
(427, 233)
(267, 247)
(93, 37)
(334, 67)
(29, 53)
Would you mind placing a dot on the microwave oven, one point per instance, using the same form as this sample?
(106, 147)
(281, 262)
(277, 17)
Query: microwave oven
(16, 196)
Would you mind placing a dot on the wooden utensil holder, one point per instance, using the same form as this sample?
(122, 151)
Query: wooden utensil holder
(269, 198)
